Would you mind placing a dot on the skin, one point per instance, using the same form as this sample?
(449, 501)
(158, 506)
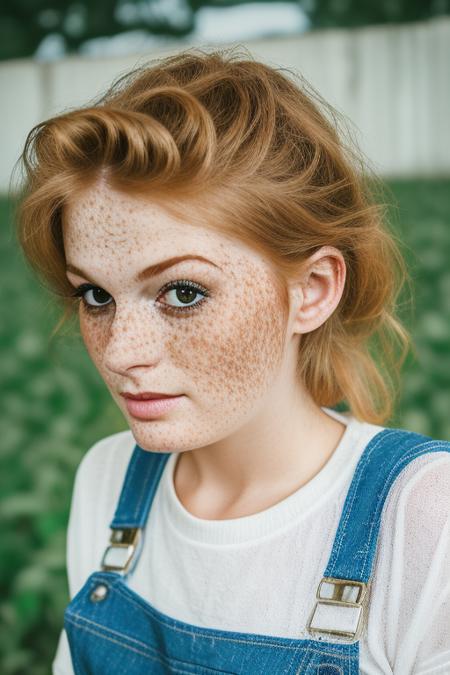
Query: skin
(246, 432)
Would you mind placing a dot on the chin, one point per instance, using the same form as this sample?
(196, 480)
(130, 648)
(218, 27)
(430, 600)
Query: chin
(151, 441)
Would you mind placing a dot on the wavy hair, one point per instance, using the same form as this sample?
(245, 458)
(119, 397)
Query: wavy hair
(252, 151)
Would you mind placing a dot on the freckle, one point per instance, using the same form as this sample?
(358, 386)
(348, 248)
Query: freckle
(224, 356)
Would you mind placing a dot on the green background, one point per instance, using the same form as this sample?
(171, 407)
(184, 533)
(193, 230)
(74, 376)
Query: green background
(55, 406)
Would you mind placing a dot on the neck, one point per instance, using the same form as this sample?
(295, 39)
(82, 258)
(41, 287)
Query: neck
(280, 449)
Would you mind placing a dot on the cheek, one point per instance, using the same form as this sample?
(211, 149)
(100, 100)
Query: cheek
(235, 351)
(230, 352)
(93, 332)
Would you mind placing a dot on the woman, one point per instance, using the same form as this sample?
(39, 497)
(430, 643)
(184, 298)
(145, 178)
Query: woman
(226, 256)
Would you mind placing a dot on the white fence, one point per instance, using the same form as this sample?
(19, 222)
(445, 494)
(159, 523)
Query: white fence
(393, 82)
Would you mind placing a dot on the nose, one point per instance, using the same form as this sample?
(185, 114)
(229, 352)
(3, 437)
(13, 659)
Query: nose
(134, 340)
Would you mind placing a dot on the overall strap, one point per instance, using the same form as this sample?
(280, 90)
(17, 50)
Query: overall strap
(138, 490)
(344, 585)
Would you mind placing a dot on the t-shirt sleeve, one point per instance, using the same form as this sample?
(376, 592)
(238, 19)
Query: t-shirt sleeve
(409, 617)
(97, 483)
(62, 663)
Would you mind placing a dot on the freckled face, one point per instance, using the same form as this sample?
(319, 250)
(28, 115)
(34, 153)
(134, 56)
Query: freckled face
(223, 354)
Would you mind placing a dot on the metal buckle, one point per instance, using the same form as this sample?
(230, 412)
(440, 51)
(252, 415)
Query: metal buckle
(348, 595)
(123, 544)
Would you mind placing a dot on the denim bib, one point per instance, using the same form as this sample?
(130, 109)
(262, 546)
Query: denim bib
(111, 629)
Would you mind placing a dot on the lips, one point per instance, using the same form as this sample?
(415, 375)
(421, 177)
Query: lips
(148, 409)
(146, 395)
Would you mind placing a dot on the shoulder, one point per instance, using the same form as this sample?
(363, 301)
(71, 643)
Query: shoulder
(414, 542)
(422, 486)
(108, 454)
(98, 481)
(422, 492)
(425, 475)
(416, 516)
(99, 477)
(412, 561)
(100, 450)
(97, 485)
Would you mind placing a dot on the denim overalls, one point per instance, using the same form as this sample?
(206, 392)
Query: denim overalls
(113, 630)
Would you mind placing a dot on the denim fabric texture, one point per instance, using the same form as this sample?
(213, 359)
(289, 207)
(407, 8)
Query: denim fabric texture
(120, 632)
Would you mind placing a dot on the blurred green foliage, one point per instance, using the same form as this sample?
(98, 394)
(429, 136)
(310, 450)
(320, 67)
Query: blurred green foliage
(25, 23)
(55, 406)
(352, 13)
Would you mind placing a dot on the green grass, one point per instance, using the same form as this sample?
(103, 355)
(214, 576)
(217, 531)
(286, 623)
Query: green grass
(423, 224)
(55, 406)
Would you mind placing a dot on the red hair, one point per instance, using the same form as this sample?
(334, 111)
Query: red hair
(271, 169)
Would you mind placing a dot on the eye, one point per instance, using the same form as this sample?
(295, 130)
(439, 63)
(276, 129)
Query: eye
(97, 294)
(184, 292)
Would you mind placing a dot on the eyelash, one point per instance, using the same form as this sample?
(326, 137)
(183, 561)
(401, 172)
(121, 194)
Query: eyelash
(171, 285)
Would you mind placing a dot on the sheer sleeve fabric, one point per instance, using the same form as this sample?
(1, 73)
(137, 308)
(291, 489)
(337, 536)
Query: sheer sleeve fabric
(409, 613)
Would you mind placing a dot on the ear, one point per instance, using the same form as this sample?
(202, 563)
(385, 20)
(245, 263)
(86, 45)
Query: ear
(315, 296)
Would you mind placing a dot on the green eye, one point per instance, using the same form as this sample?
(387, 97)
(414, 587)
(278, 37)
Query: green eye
(184, 292)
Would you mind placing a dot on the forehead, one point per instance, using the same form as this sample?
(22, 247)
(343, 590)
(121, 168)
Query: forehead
(103, 223)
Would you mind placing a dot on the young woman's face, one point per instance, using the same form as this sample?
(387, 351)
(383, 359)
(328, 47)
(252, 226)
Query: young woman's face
(219, 343)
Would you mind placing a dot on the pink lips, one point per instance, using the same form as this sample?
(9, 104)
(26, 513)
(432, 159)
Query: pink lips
(151, 408)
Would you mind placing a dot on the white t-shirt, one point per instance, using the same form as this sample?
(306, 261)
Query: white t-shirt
(210, 572)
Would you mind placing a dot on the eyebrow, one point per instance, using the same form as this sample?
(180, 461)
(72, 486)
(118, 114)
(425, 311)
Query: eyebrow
(152, 270)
